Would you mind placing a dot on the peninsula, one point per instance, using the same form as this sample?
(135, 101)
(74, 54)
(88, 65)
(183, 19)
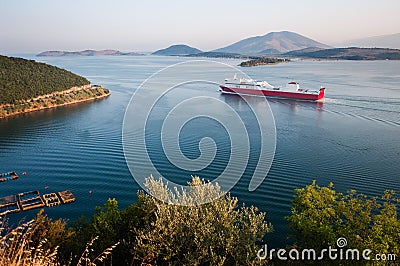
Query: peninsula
(88, 53)
(27, 85)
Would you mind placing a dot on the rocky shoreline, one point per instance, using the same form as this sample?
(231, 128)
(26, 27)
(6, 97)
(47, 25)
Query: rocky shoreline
(60, 98)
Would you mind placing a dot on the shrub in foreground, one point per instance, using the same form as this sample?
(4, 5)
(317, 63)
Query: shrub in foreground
(152, 232)
(320, 216)
(215, 233)
(37, 242)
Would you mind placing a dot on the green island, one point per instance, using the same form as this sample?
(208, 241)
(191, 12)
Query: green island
(27, 85)
(260, 61)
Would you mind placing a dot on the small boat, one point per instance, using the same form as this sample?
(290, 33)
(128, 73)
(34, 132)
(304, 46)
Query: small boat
(244, 86)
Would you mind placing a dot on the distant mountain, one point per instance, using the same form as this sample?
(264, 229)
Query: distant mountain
(179, 49)
(216, 55)
(384, 41)
(351, 53)
(86, 53)
(269, 52)
(304, 51)
(272, 43)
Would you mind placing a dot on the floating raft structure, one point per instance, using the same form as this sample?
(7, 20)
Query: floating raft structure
(9, 204)
(51, 200)
(32, 200)
(8, 176)
(66, 196)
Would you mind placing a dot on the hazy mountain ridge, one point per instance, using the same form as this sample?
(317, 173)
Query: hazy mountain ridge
(284, 43)
(178, 49)
(351, 53)
(273, 42)
(87, 53)
(217, 55)
(384, 41)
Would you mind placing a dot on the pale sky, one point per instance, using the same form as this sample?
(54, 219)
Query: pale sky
(30, 26)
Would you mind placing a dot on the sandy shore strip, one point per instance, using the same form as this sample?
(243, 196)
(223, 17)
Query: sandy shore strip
(47, 105)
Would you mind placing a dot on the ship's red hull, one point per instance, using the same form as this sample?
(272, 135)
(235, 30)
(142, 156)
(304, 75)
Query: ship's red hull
(276, 93)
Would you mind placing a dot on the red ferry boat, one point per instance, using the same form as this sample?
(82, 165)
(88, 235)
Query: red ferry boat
(245, 86)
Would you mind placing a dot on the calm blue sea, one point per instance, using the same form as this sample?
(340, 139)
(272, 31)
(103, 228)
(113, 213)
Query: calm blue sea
(351, 139)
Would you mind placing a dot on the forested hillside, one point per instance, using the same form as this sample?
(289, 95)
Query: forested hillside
(22, 79)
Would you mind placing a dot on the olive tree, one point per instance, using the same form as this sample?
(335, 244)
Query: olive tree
(216, 233)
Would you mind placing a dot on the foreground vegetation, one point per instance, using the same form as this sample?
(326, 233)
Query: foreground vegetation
(151, 232)
(32, 243)
(320, 216)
